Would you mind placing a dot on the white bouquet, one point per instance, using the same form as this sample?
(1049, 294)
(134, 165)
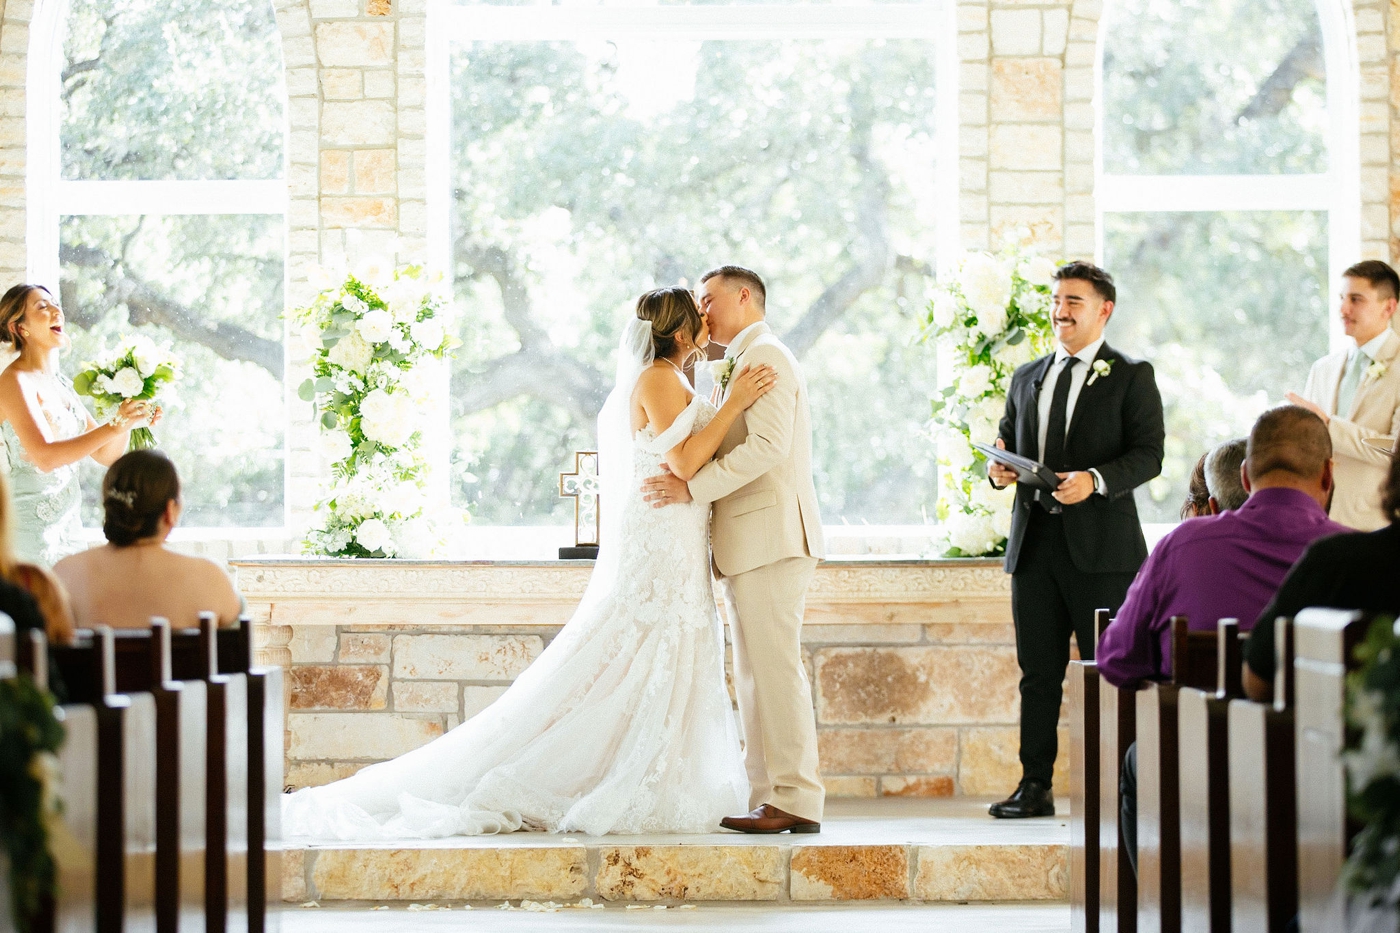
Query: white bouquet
(138, 368)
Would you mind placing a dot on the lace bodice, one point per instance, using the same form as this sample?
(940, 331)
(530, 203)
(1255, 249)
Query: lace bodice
(622, 725)
(47, 523)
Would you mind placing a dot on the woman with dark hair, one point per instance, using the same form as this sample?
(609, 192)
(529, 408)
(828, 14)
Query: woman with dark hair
(1352, 571)
(47, 431)
(1197, 504)
(135, 576)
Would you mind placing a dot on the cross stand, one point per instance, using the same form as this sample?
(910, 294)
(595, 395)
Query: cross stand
(582, 486)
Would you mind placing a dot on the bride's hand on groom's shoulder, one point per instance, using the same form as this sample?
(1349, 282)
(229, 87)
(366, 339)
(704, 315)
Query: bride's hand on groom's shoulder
(750, 384)
(665, 489)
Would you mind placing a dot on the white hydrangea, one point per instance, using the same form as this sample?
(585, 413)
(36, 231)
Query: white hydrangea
(335, 445)
(375, 326)
(417, 538)
(337, 539)
(402, 498)
(428, 334)
(417, 382)
(975, 381)
(982, 430)
(405, 298)
(987, 288)
(1039, 271)
(352, 503)
(398, 342)
(972, 534)
(388, 418)
(351, 352)
(1015, 355)
(127, 383)
(373, 535)
(987, 496)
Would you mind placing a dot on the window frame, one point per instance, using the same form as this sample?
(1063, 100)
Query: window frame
(50, 197)
(1336, 191)
(932, 20)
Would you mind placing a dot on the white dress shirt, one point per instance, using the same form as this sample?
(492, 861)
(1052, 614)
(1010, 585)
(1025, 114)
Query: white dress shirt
(1077, 377)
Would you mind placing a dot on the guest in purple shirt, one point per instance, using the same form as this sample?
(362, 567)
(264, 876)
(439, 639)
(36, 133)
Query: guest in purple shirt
(1228, 565)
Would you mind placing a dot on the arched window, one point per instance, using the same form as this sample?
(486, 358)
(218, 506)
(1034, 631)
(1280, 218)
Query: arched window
(1228, 195)
(157, 202)
(597, 151)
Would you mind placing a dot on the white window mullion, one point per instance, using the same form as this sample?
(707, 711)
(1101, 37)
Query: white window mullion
(1145, 193)
(170, 197)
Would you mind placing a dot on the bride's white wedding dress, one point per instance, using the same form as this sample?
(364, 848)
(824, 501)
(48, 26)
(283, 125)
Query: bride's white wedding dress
(622, 725)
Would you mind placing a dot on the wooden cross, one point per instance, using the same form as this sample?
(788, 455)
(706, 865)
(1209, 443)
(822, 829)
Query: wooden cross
(582, 486)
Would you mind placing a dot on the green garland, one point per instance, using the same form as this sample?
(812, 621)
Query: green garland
(28, 729)
(1373, 765)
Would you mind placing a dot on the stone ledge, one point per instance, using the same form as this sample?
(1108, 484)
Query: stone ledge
(836, 581)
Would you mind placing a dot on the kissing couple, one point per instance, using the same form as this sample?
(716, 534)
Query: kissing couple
(623, 724)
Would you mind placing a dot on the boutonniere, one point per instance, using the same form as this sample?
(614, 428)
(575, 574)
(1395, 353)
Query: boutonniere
(1376, 370)
(723, 371)
(1101, 368)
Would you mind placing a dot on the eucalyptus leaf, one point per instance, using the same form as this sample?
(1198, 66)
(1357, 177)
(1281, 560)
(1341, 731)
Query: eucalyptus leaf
(329, 420)
(307, 391)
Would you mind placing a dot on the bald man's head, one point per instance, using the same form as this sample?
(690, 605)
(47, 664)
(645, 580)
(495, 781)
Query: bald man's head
(1288, 439)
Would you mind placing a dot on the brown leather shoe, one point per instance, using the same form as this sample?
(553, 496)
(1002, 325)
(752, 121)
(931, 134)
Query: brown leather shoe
(769, 819)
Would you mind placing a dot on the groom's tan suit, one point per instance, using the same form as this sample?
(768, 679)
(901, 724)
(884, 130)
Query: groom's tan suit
(766, 536)
(1360, 467)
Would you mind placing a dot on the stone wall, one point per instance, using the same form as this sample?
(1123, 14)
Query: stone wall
(912, 664)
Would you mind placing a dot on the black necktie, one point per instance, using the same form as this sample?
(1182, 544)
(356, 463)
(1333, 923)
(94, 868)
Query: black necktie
(1055, 431)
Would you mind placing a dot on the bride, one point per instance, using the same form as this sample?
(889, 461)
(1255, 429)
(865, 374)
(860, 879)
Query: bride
(623, 724)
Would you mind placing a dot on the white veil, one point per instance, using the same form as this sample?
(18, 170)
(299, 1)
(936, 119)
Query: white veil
(615, 479)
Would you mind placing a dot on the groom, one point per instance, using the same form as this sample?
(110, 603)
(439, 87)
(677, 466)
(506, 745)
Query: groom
(767, 538)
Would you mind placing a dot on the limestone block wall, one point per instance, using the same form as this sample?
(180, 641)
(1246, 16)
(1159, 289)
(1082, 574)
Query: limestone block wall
(912, 664)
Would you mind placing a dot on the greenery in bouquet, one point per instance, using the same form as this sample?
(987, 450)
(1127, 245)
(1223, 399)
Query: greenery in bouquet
(138, 368)
(30, 735)
(1373, 769)
(989, 316)
(370, 339)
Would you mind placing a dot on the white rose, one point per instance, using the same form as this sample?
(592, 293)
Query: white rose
(986, 286)
(945, 308)
(398, 342)
(954, 448)
(1015, 355)
(404, 298)
(417, 538)
(377, 271)
(417, 382)
(145, 354)
(971, 534)
(975, 381)
(403, 498)
(387, 418)
(354, 304)
(128, 383)
(373, 535)
(351, 352)
(428, 334)
(982, 431)
(352, 504)
(991, 321)
(1039, 271)
(323, 279)
(335, 445)
(102, 385)
(376, 326)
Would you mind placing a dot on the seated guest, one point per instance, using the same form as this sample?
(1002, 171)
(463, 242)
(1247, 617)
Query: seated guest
(1197, 502)
(1354, 571)
(1224, 480)
(47, 594)
(1215, 484)
(134, 576)
(1228, 565)
(1222, 566)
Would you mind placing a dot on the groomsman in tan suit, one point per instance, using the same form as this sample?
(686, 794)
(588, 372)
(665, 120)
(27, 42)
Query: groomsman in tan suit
(1357, 393)
(766, 538)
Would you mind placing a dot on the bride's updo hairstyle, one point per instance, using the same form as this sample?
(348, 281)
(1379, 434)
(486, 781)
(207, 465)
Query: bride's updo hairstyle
(135, 492)
(671, 311)
(12, 306)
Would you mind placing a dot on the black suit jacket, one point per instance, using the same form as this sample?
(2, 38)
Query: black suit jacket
(1116, 429)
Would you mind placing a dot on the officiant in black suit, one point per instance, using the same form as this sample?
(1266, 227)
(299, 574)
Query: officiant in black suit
(1094, 416)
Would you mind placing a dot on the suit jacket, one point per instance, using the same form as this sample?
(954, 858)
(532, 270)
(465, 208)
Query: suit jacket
(765, 505)
(1375, 415)
(1117, 429)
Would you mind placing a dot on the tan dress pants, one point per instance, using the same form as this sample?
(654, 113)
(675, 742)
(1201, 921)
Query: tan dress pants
(765, 608)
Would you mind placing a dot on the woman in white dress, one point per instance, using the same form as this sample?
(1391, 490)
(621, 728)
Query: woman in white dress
(47, 431)
(623, 724)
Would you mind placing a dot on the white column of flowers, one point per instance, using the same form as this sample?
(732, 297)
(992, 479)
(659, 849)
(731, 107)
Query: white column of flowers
(993, 316)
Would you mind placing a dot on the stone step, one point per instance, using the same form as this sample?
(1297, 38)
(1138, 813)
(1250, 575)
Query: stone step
(901, 850)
